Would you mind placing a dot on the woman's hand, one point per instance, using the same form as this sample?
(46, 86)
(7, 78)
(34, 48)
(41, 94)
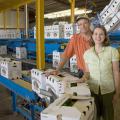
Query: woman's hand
(115, 98)
(81, 80)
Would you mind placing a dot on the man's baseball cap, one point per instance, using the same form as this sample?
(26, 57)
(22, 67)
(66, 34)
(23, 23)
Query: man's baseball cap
(82, 17)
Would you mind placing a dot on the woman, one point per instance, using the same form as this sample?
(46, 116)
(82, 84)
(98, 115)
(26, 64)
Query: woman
(102, 65)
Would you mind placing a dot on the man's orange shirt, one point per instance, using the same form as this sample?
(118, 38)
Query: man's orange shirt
(77, 45)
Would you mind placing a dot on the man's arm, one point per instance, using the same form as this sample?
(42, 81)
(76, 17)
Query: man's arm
(62, 63)
(69, 52)
(86, 75)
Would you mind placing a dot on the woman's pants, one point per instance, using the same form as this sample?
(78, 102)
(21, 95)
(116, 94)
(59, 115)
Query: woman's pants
(104, 106)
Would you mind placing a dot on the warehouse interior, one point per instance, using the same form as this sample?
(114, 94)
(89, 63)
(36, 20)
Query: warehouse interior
(33, 36)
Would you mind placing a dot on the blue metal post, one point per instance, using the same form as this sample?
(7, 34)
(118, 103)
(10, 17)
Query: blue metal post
(14, 105)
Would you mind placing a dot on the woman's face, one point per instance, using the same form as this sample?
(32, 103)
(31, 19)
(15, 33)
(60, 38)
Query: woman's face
(98, 36)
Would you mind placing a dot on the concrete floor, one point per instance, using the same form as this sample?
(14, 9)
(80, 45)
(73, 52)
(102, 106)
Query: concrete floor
(6, 110)
(5, 106)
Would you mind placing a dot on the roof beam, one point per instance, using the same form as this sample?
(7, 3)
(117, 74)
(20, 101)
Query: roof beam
(63, 2)
(4, 4)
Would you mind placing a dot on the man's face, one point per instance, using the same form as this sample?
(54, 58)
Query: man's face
(83, 25)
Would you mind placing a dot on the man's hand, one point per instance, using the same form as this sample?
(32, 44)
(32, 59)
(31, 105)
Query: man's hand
(53, 72)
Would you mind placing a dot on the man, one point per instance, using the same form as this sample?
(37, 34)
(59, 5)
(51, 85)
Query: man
(77, 45)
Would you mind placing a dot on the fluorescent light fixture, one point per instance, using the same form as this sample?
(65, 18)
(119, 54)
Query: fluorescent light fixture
(65, 13)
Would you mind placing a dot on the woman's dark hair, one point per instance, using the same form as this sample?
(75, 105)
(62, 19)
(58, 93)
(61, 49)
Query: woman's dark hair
(106, 41)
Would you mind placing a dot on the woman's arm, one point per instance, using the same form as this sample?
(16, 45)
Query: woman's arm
(116, 75)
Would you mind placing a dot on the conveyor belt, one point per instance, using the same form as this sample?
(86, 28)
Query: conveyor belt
(19, 87)
(23, 89)
(13, 56)
(23, 84)
(29, 61)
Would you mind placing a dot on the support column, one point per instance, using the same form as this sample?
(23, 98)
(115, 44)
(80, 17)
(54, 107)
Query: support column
(40, 52)
(4, 20)
(72, 2)
(18, 19)
(26, 21)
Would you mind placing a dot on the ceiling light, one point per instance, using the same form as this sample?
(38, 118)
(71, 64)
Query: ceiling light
(65, 13)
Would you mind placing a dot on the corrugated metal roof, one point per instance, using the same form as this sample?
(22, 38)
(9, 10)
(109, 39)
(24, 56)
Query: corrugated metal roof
(7, 4)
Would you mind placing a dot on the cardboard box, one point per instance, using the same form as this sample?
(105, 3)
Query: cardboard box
(34, 32)
(73, 64)
(57, 31)
(3, 59)
(70, 108)
(68, 31)
(57, 58)
(112, 24)
(65, 84)
(11, 69)
(107, 15)
(115, 6)
(38, 81)
(48, 32)
(21, 53)
(3, 49)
